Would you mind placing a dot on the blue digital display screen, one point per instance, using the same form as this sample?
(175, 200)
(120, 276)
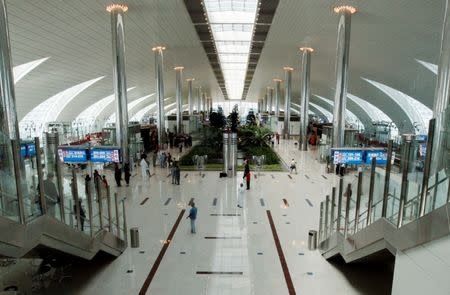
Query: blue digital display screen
(381, 157)
(349, 157)
(31, 150)
(421, 137)
(423, 149)
(105, 155)
(70, 155)
(23, 150)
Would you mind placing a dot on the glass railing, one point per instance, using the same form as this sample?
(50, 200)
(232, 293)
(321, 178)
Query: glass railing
(393, 192)
(59, 192)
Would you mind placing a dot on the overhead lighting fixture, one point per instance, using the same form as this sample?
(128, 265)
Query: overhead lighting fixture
(288, 68)
(232, 24)
(345, 9)
(306, 49)
(159, 48)
(112, 7)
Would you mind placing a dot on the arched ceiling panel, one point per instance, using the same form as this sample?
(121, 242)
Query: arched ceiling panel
(22, 70)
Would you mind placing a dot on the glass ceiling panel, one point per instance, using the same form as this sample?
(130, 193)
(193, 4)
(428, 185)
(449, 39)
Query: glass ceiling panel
(232, 24)
(326, 113)
(22, 70)
(432, 67)
(350, 117)
(418, 113)
(50, 109)
(130, 107)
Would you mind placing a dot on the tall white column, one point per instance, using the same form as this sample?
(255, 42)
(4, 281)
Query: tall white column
(342, 61)
(161, 124)
(179, 98)
(287, 101)
(277, 96)
(190, 96)
(117, 12)
(305, 92)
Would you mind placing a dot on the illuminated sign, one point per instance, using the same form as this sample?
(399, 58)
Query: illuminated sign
(71, 155)
(349, 157)
(105, 155)
(23, 150)
(380, 156)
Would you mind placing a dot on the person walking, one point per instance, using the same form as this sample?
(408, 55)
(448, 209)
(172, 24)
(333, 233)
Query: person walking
(145, 167)
(193, 216)
(247, 175)
(117, 174)
(241, 193)
(173, 173)
(127, 172)
(277, 136)
(82, 213)
(51, 194)
(87, 183)
(293, 166)
(177, 173)
(155, 156)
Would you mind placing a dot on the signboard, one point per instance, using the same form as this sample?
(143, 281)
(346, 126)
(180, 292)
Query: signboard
(349, 157)
(71, 155)
(423, 149)
(23, 150)
(421, 137)
(31, 150)
(105, 155)
(380, 155)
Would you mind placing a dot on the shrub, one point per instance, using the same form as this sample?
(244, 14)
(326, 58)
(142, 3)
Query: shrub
(271, 156)
(213, 155)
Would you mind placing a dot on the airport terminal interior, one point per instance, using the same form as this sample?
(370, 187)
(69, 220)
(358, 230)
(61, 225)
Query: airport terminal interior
(225, 147)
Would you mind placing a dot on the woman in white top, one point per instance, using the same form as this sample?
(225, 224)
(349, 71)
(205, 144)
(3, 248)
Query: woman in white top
(241, 193)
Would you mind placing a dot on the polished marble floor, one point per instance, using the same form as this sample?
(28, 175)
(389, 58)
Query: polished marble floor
(241, 244)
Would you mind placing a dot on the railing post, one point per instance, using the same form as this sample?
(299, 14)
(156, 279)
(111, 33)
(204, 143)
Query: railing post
(17, 173)
(387, 178)
(91, 216)
(426, 168)
(40, 174)
(404, 188)
(59, 179)
(321, 222)
(76, 198)
(347, 209)
(339, 209)
(125, 236)
(333, 206)
(358, 200)
(327, 203)
(99, 201)
(108, 200)
(371, 189)
(116, 201)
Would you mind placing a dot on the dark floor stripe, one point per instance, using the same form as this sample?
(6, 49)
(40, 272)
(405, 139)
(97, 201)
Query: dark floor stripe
(215, 202)
(191, 201)
(224, 214)
(219, 273)
(309, 202)
(145, 200)
(324, 176)
(158, 260)
(272, 176)
(289, 176)
(186, 175)
(306, 176)
(262, 202)
(223, 238)
(170, 174)
(285, 202)
(167, 202)
(255, 176)
(284, 266)
(203, 175)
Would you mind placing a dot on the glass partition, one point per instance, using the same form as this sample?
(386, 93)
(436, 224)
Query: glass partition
(9, 205)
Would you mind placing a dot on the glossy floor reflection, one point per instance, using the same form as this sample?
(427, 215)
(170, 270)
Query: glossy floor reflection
(244, 252)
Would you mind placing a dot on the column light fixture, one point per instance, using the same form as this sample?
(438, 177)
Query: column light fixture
(114, 6)
(345, 9)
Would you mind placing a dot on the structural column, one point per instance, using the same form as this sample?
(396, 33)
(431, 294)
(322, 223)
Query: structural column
(342, 56)
(199, 94)
(440, 158)
(277, 96)
(179, 98)
(264, 105)
(120, 82)
(204, 102)
(158, 50)
(190, 97)
(287, 101)
(305, 92)
(270, 99)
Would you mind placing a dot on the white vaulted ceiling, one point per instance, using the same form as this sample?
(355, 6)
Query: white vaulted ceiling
(394, 43)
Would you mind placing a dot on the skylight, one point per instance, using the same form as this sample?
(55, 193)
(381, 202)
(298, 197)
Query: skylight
(232, 24)
(324, 112)
(22, 70)
(418, 113)
(432, 67)
(350, 117)
(131, 106)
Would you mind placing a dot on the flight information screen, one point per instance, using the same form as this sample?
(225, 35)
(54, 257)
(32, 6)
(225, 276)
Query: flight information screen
(105, 155)
(70, 155)
(381, 157)
(349, 157)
